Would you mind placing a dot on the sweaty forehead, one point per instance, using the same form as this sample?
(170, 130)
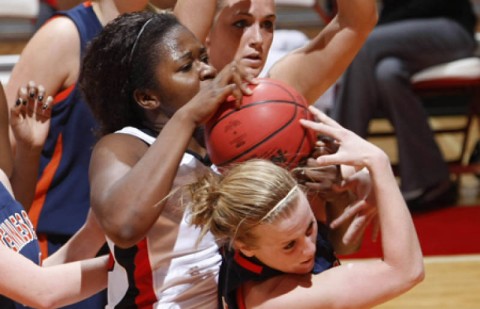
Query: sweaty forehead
(178, 41)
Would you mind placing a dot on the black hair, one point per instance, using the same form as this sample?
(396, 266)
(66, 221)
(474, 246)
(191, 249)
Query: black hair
(120, 60)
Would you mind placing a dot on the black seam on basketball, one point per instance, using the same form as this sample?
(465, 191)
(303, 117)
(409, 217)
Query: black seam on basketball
(253, 105)
(277, 155)
(267, 138)
(303, 141)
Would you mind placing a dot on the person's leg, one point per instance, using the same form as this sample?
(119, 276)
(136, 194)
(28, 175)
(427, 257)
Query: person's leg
(417, 41)
(356, 94)
(421, 163)
(422, 43)
(427, 42)
(365, 87)
(357, 97)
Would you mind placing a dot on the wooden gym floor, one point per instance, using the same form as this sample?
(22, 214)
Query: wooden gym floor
(451, 281)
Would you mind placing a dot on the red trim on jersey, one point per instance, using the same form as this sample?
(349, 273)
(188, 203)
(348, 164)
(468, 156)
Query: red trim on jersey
(43, 244)
(42, 188)
(111, 262)
(240, 298)
(143, 277)
(52, 3)
(87, 4)
(247, 264)
(63, 95)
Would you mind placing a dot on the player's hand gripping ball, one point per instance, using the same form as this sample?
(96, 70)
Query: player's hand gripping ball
(265, 126)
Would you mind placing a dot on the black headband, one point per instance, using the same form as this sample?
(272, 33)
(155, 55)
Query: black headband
(138, 38)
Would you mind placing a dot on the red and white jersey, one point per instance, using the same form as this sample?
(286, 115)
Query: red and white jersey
(167, 269)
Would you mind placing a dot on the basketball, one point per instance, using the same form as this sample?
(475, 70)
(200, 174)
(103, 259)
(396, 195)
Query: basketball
(265, 126)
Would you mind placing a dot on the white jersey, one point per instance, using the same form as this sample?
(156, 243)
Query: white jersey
(166, 269)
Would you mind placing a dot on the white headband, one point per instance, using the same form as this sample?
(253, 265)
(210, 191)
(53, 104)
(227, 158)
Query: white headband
(280, 203)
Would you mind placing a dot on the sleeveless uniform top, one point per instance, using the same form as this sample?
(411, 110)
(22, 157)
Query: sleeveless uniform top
(237, 269)
(62, 194)
(166, 269)
(16, 233)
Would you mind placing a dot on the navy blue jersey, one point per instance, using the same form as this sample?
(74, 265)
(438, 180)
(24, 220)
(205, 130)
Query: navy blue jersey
(62, 194)
(237, 269)
(16, 233)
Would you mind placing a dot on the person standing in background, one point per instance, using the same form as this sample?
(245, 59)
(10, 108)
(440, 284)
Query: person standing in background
(410, 36)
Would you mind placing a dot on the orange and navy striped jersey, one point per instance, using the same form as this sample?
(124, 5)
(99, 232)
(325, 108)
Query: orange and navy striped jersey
(62, 194)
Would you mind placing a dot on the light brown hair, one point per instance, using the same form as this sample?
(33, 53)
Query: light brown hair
(248, 194)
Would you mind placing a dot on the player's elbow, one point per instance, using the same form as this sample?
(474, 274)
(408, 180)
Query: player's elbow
(124, 229)
(45, 302)
(368, 25)
(412, 276)
(125, 235)
(417, 274)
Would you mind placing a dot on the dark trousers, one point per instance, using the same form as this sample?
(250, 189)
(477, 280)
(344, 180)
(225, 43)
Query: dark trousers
(379, 78)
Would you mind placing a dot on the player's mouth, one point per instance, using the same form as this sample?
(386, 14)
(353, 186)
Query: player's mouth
(254, 60)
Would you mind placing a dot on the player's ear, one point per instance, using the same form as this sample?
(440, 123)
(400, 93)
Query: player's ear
(244, 248)
(146, 99)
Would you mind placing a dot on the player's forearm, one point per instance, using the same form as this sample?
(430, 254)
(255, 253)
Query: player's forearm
(401, 247)
(141, 205)
(25, 174)
(75, 281)
(84, 244)
(50, 287)
(359, 15)
(196, 15)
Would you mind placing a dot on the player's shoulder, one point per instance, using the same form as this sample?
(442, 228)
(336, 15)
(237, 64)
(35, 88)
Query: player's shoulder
(55, 42)
(59, 30)
(122, 145)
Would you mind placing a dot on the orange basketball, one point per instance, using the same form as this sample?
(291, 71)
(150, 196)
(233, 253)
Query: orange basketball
(265, 126)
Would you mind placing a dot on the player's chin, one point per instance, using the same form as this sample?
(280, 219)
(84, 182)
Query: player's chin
(253, 72)
(305, 267)
(252, 69)
(300, 271)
